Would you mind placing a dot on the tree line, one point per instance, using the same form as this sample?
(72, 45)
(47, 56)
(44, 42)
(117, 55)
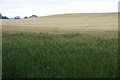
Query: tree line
(17, 17)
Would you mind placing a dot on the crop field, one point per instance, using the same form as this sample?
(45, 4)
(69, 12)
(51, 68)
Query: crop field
(61, 46)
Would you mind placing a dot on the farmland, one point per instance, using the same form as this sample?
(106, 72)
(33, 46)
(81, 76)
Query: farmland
(83, 45)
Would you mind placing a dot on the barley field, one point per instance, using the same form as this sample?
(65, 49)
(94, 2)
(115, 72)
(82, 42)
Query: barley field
(83, 45)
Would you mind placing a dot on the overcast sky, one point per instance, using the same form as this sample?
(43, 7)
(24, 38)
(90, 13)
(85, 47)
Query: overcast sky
(12, 8)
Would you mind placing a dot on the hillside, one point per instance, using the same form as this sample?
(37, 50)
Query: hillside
(65, 22)
(61, 46)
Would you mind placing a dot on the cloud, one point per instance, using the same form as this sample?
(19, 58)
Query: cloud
(23, 8)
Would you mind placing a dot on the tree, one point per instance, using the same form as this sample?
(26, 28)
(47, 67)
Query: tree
(17, 17)
(0, 16)
(5, 17)
(25, 17)
(33, 16)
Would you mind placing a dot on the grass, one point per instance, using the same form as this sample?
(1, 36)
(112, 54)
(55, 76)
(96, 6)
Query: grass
(81, 45)
(65, 23)
(47, 55)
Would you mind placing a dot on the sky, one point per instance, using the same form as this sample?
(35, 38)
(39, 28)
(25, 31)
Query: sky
(22, 8)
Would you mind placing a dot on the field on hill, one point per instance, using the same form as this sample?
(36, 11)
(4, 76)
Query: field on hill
(61, 46)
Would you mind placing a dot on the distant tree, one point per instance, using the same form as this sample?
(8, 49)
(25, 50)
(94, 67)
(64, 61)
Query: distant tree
(17, 17)
(33, 16)
(0, 16)
(5, 17)
(25, 17)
